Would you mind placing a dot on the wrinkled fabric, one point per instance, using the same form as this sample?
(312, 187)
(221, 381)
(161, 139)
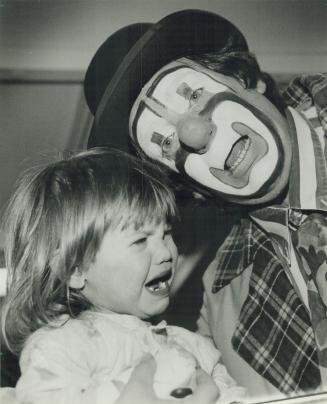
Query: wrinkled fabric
(306, 91)
(86, 360)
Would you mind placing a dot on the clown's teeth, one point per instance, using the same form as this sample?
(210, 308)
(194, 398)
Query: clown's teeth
(241, 153)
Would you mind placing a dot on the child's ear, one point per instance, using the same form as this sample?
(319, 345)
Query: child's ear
(261, 86)
(77, 279)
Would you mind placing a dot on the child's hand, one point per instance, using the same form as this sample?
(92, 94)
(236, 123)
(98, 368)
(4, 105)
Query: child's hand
(139, 388)
(206, 392)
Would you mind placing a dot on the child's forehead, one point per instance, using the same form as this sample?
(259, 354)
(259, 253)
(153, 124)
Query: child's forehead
(138, 215)
(144, 224)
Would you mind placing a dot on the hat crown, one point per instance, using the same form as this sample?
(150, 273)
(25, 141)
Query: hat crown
(107, 60)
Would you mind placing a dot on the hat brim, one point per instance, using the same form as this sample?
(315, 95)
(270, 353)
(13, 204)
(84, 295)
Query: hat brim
(185, 33)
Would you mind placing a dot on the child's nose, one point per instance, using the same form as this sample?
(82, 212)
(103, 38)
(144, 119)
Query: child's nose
(162, 251)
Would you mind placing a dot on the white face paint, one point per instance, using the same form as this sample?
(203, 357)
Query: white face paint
(207, 126)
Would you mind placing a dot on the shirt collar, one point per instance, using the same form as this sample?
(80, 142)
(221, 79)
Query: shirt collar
(127, 320)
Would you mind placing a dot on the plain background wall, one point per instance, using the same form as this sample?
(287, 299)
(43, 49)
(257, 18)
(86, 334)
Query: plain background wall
(46, 45)
(286, 35)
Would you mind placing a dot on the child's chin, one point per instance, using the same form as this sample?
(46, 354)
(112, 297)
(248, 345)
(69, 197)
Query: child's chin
(155, 311)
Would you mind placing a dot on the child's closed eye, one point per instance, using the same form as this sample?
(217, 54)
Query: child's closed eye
(139, 241)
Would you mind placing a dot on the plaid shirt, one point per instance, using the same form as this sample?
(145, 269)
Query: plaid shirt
(274, 333)
(307, 91)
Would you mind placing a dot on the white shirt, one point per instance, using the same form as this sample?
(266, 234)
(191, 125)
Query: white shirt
(81, 360)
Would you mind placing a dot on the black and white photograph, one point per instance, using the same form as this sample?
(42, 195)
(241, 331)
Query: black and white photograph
(163, 201)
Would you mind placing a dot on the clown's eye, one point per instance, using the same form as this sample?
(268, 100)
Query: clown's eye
(196, 94)
(169, 146)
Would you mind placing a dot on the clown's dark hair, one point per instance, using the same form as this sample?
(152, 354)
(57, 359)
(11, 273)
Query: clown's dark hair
(56, 221)
(244, 67)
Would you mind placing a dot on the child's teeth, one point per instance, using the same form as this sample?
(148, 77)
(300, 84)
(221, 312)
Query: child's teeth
(161, 285)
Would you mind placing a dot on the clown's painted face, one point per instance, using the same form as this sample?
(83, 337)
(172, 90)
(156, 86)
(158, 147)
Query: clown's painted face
(207, 126)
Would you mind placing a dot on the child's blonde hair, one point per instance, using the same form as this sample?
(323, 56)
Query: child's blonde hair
(56, 221)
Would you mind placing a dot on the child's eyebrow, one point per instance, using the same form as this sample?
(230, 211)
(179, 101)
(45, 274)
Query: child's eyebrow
(133, 231)
(168, 226)
(135, 235)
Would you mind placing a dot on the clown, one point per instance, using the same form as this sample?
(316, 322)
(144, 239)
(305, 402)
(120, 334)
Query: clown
(209, 127)
(194, 99)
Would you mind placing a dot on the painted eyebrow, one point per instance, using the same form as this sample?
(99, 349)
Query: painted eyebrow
(157, 138)
(184, 90)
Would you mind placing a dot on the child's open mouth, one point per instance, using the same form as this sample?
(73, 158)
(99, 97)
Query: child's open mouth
(159, 284)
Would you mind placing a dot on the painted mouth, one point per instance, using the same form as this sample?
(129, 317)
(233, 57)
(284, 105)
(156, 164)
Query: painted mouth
(160, 284)
(250, 148)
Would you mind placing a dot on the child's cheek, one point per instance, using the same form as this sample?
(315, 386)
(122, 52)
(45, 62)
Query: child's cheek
(174, 251)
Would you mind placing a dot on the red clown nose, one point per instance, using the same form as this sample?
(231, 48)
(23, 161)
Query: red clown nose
(195, 132)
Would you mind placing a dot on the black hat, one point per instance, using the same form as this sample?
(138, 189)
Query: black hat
(128, 59)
